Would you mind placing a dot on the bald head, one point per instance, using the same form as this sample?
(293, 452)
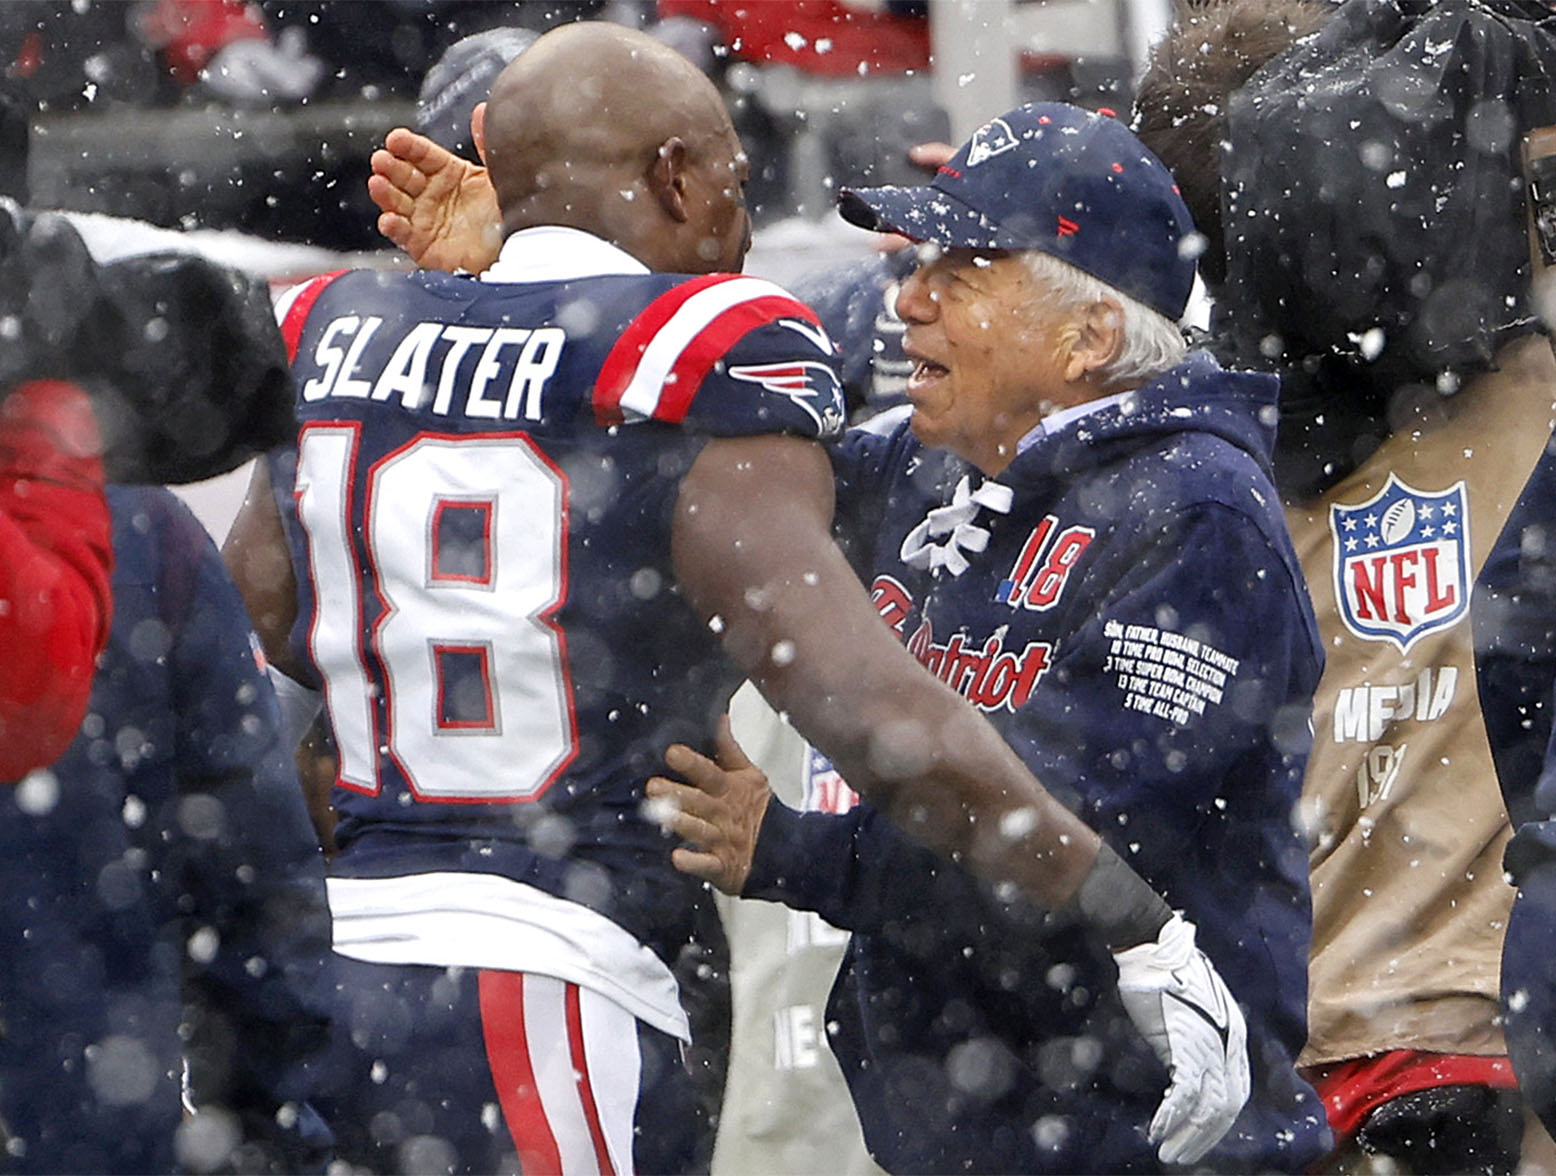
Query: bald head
(602, 128)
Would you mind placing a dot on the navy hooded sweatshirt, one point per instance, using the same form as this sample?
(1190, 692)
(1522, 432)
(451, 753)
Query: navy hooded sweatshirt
(1124, 604)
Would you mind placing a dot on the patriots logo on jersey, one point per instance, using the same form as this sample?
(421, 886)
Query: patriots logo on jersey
(1401, 562)
(810, 384)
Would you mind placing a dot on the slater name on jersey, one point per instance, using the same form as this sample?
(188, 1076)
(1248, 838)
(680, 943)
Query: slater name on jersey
(433, 361)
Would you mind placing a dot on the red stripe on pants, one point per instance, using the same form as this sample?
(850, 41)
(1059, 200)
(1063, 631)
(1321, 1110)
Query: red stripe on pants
(507, 1055)
(575, 1043)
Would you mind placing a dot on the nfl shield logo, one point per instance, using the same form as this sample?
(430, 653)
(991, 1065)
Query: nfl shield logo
(825, 790)
(1401, 562)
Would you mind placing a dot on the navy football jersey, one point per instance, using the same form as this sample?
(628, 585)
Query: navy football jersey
(484, 484)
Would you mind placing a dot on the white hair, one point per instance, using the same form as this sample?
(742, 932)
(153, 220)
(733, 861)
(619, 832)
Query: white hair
(1152, 342)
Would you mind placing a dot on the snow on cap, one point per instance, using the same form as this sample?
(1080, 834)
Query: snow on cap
(1053, 177)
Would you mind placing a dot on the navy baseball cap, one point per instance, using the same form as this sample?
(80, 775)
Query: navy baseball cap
(1053, 177)
(460, 80)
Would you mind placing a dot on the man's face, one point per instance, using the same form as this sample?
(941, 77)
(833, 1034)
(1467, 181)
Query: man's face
(985, 346)
(716, 200)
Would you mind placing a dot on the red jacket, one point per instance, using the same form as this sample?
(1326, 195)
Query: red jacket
(56, 557)
(190, 32)
(829, 38)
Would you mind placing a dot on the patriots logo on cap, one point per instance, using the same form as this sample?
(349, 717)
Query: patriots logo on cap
(991, 139)
(1401, 562)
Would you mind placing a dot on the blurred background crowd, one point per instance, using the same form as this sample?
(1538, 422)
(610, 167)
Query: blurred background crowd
(265, 113)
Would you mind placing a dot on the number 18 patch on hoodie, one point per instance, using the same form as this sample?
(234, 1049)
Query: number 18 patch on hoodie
(1401, 562)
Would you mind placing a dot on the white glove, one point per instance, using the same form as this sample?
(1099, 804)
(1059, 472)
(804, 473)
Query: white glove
(1182, 1007)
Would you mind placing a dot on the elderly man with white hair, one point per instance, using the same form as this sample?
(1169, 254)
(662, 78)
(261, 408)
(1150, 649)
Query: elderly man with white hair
(1074, 526)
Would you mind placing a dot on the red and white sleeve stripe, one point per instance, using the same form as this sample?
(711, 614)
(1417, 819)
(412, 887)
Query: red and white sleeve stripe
(293, 305)
(660, 361)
